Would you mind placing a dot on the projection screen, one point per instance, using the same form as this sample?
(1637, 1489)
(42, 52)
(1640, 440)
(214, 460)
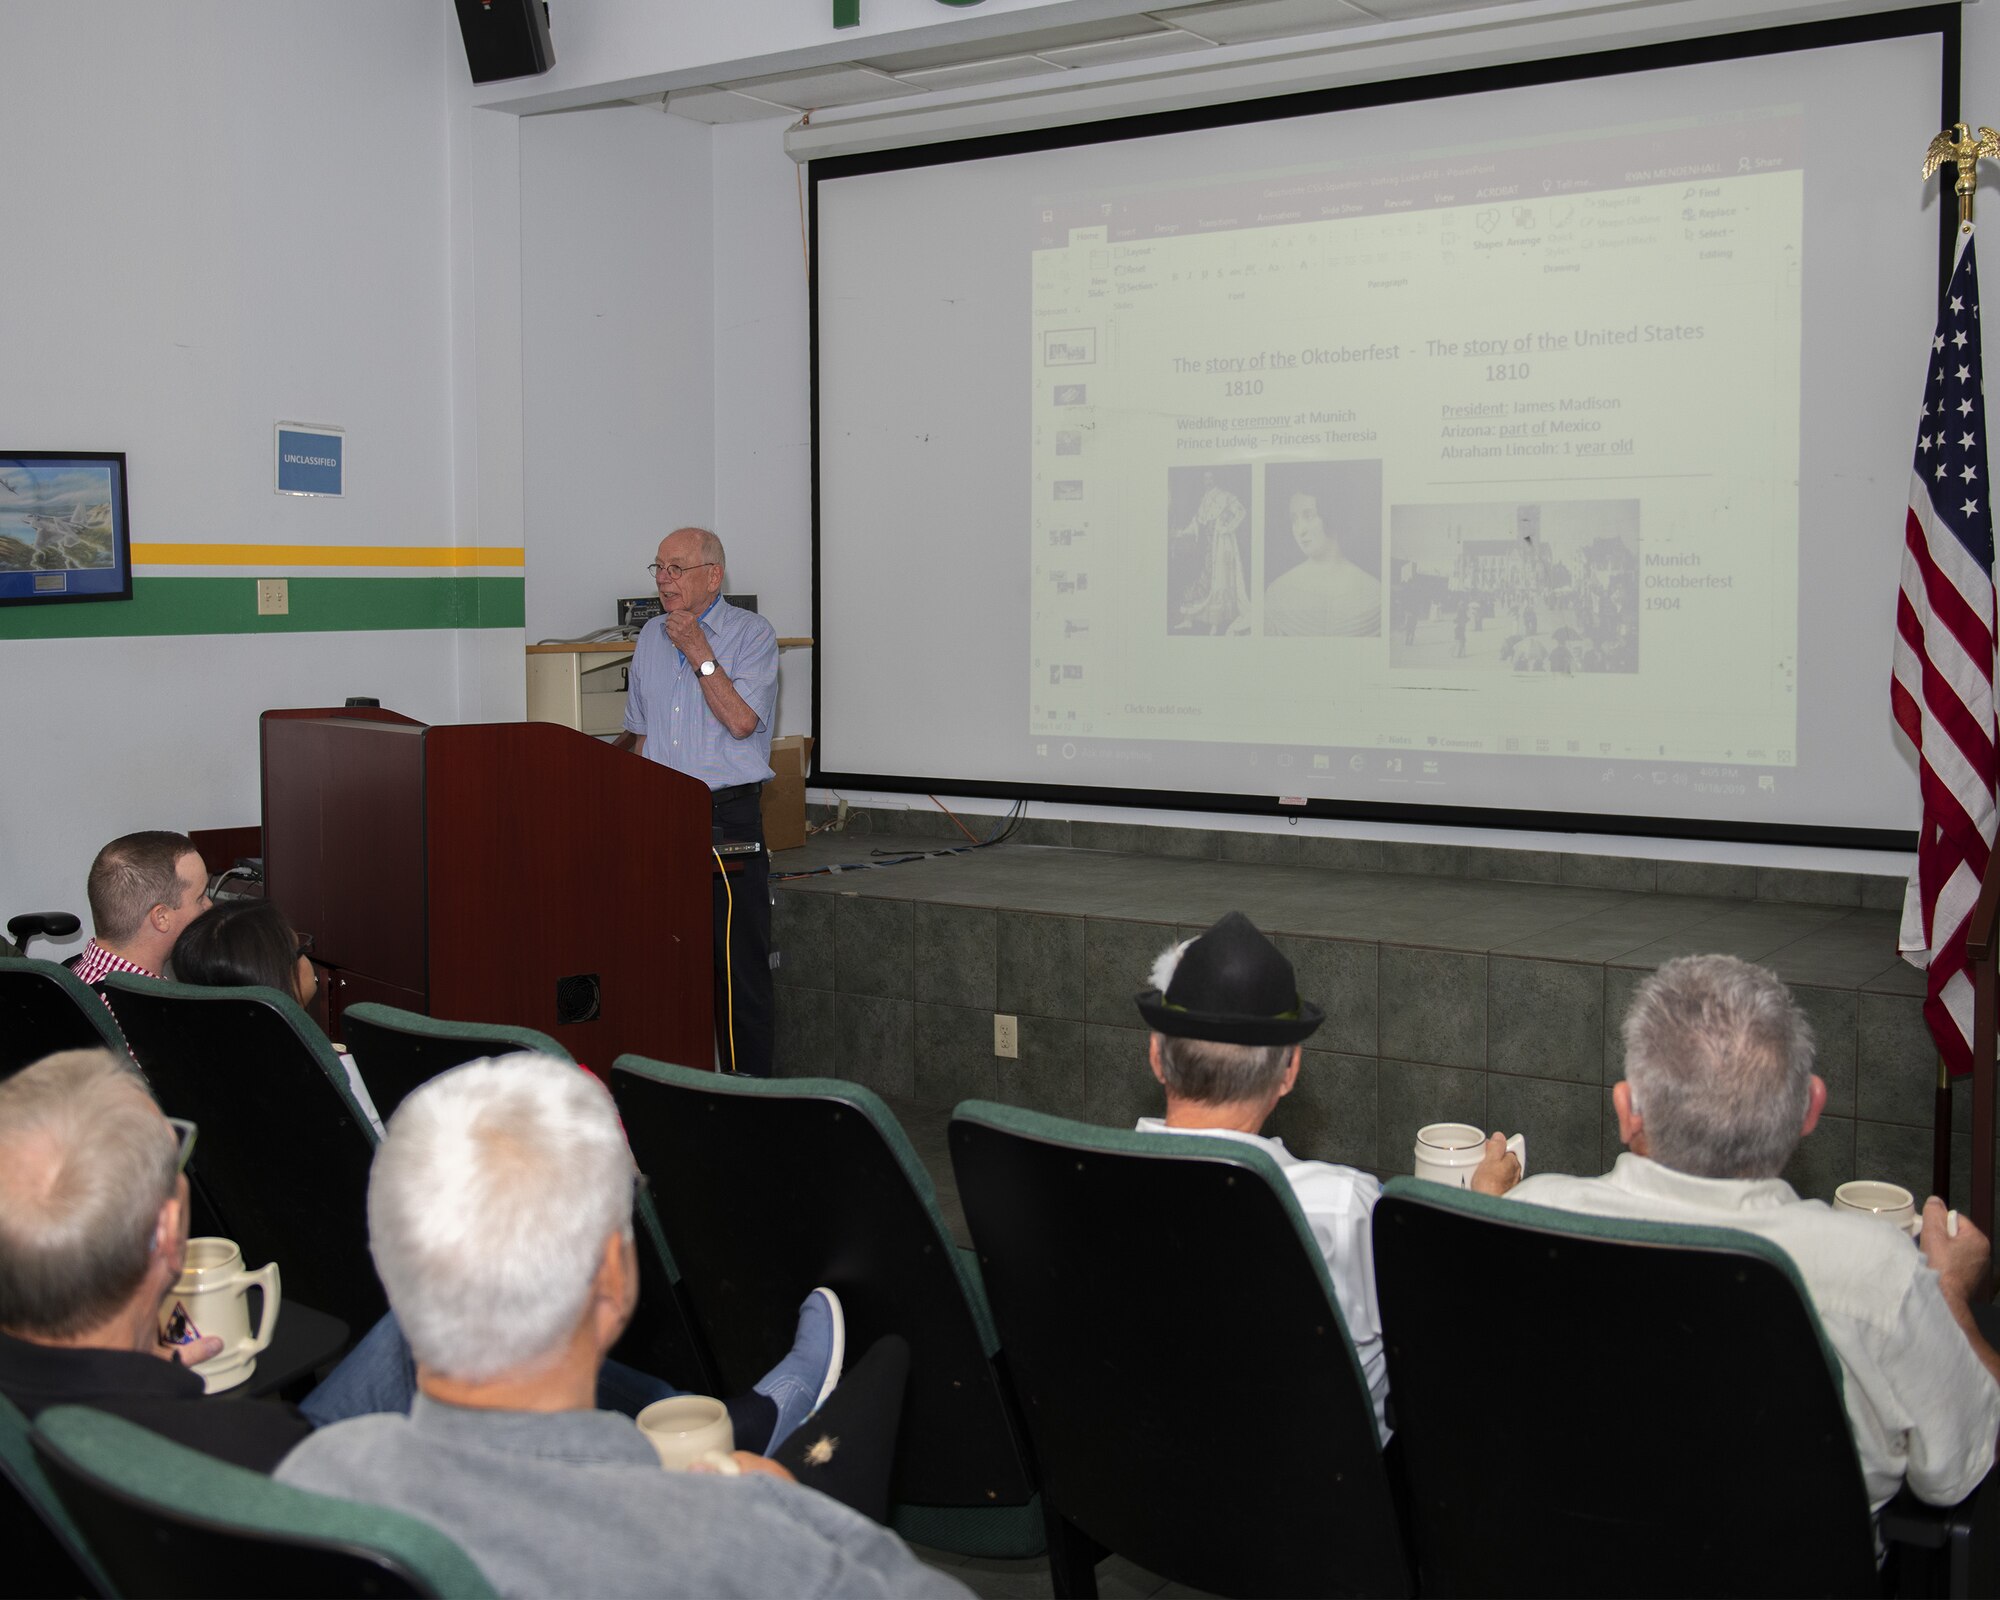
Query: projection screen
(1500, 450)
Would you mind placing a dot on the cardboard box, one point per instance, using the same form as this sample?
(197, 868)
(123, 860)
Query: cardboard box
(785, 794)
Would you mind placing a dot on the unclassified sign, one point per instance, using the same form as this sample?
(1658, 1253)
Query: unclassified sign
(310, 460)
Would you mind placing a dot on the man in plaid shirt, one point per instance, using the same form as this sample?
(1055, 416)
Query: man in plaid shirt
(144, 888)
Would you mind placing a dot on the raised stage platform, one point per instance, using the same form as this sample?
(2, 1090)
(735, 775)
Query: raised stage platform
(1459, 984)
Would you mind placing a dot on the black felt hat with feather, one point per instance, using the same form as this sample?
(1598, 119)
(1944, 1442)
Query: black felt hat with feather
(1232, 986)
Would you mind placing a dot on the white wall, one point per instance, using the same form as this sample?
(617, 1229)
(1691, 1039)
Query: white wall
(617, 351)
(219, 213)
(485, 418)
(664, 349)
(1979, 80)
(114, 735)
(763, 403)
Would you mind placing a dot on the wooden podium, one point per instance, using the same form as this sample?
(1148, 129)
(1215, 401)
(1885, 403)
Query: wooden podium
(495, 872)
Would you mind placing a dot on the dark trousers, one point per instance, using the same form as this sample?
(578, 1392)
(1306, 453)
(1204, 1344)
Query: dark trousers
(743, 941)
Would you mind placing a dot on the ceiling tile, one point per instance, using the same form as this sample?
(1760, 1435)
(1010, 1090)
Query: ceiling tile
(1140, 47)
(1242, 21)
(1030, 41)
(1396, 10)
(968, 72)
(826, 86)
(719, 105)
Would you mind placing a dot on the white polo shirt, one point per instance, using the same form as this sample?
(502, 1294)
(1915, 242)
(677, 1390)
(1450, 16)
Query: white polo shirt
(1921, 1405)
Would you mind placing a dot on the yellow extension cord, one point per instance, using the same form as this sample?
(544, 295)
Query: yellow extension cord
(728, 954)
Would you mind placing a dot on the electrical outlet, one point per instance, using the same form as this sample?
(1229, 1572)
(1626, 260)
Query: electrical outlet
(274, 597)
(1006, 1037)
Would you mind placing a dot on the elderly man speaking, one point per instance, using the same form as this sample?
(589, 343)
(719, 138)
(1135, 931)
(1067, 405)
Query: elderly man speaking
(500, 1216)
(1719, 1089)
(704, 692)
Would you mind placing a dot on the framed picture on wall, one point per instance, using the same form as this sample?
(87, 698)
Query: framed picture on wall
(64, 531)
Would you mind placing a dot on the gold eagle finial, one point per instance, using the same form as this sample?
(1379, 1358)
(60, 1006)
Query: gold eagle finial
(1957, 145)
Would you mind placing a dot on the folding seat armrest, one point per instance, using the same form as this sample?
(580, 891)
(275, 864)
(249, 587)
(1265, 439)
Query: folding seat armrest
(1932, 1545)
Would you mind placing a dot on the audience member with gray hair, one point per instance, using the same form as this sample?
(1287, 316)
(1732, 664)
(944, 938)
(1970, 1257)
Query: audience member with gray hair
(499, 1213)
(1719, 1089)
(93, 1230)
(93, 1225)
(1721, 1056)
(1228, 1028)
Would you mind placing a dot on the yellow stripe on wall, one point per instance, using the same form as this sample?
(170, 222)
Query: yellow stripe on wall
(327, 555)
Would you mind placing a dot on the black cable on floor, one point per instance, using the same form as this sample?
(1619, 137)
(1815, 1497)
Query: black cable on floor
(1004, 831)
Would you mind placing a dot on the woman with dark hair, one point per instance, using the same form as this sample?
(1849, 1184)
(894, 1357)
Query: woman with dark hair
(250, 942)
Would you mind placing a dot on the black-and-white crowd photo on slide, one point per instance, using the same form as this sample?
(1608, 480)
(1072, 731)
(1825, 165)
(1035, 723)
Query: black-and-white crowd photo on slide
(1208, 550)
(1503, 586)
(1323, 549)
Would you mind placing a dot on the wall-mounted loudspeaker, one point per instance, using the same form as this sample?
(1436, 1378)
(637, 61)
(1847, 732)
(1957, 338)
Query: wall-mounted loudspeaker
(505, 38)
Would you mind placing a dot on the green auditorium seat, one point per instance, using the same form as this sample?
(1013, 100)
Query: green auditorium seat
(766, 1187)
(1589, 1405)
(166, 1520)
(396, 1051)
(43, 1009)
(1181, 1362)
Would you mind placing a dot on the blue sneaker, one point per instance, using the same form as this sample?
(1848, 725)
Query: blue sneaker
(799, 1384)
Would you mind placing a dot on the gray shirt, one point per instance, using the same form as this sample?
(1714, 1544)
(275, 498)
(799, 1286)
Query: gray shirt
(576, 1502)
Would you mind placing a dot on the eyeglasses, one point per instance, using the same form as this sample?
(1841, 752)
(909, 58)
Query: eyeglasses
(642, 1186)
(674, 571)
(305, 946)
(183, 1131)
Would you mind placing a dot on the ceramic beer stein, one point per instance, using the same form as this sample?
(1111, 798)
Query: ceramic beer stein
(210, 1298)
(1450, 1152)
(685, 1428)
(1890, 1201)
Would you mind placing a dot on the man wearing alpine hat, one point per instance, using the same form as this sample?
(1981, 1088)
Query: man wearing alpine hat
(1227, 1026)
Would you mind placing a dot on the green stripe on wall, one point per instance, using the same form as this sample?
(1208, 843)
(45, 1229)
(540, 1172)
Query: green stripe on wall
(318, 605)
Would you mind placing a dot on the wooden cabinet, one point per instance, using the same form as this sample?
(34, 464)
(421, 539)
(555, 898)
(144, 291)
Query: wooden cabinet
(580, 685)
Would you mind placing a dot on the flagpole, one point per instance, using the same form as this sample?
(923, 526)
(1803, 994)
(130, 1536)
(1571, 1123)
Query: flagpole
(1941, 1133)
(1983, 1024)
(1942, 694)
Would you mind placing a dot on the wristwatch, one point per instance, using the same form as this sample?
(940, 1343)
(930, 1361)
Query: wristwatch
(707, 668)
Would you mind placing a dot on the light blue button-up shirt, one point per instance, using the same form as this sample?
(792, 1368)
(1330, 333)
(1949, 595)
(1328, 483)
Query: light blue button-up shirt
(665, 702)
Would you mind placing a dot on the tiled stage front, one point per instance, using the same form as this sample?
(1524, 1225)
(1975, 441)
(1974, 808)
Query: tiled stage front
(1450, 992)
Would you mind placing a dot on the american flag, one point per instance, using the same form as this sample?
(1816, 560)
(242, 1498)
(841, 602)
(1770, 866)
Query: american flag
(1943, 689)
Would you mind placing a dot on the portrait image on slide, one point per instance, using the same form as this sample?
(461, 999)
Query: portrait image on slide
(1208, 550)
(1505, 586)
(1323, 549)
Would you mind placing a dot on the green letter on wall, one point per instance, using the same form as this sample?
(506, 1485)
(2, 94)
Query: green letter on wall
(847, 13)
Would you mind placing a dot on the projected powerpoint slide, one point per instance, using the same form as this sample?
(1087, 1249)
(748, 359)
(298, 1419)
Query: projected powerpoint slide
(1496, 453)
